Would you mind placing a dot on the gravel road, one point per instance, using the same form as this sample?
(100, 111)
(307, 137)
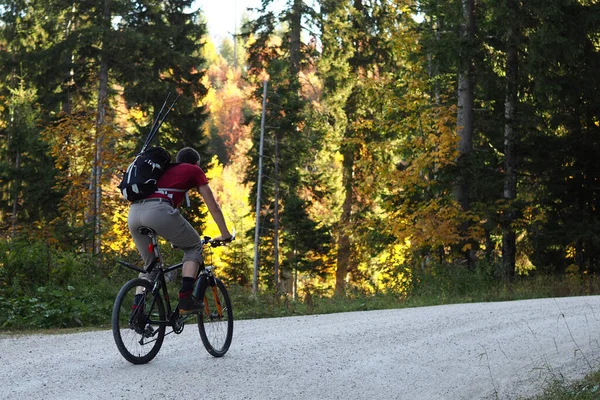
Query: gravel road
(468, 351)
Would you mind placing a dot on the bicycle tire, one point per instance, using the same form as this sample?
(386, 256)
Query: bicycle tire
(137, 341)
(216, 328)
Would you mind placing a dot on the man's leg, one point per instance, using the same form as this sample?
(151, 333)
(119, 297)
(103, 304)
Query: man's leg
(171, 225)
(141, 241)
(187, 304)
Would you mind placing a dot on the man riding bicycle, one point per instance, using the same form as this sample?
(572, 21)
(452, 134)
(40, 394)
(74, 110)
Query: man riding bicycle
(159, 211)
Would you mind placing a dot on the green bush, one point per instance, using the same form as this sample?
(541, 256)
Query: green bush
(44, 288)
(449, 283)
(89, 304)
(25, 264)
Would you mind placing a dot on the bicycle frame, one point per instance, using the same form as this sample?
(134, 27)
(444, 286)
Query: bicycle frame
(159, 282)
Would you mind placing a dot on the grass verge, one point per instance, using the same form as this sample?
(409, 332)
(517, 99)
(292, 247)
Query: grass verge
(585, 389)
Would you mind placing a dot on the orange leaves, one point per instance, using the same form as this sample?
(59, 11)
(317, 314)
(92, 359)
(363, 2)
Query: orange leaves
(68, 138)
(227, 102)
(434, 223)
(73, 142)
(70, 146)
(412, 169)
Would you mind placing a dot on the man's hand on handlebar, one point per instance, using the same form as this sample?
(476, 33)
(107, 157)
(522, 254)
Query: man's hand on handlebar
(220, 240)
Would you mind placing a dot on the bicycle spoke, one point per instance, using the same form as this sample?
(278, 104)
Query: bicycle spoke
(215, 324)
(136, 330)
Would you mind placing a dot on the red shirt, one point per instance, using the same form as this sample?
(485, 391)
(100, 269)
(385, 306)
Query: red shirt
(181, 177)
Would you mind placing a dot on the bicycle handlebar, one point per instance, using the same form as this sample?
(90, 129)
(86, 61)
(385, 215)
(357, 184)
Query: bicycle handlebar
(217, 243)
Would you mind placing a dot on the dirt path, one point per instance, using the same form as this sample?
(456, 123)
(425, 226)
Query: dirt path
(469, 351)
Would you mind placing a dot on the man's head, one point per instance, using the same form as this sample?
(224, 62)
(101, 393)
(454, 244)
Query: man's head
(188, 155)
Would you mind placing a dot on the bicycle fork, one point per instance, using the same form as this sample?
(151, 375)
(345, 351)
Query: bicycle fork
(212, 283)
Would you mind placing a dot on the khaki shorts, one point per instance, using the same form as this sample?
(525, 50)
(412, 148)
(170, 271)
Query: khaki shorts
(169, 224)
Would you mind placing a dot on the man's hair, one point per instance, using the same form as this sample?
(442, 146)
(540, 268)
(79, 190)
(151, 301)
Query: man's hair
(188, 155)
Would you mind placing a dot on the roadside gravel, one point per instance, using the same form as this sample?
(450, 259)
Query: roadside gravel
(465, 351)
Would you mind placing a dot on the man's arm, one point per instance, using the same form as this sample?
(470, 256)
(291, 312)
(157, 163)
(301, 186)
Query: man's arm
(215, 211)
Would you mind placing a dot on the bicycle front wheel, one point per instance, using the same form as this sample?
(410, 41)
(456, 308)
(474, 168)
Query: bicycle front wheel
(135, 321)
(215, 323)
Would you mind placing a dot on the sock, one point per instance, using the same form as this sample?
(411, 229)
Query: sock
(187, 286)
(137, 300)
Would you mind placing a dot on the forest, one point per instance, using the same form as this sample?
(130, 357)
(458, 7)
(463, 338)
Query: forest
(392, 140)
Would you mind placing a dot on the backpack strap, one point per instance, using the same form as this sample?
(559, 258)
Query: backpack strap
(166, 191)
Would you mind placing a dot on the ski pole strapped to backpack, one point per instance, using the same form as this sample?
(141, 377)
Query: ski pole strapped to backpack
(141, 178)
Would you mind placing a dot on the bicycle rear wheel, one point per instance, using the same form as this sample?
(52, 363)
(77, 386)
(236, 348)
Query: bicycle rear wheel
(215, 323)
(135, 322)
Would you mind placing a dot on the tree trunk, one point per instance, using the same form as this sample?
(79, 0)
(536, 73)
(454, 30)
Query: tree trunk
(295, 32)
(433, 64)
(510, 157)
(17, 190)
(259, 188)
(344, 253)
(465, 82)
(286, 276)
(464, 118)
(68, 82)
(102, 104)
(276, 217)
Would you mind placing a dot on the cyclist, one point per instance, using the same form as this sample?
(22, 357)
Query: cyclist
(160, 212)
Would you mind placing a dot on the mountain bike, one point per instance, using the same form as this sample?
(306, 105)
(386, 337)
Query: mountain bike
(142, 314)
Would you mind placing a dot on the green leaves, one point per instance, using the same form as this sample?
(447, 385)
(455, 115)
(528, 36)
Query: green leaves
(58, 307)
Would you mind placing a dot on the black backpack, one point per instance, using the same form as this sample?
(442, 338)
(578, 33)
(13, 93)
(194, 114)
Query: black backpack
(140, 179)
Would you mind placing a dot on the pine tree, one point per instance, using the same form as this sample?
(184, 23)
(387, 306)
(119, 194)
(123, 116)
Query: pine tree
(560, 150)
(284, 57)
(28, 171)
(160, 44)
(356, 51)
(28, 197)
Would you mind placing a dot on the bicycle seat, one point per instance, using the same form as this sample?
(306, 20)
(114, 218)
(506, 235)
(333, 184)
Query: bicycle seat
(144, 230)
